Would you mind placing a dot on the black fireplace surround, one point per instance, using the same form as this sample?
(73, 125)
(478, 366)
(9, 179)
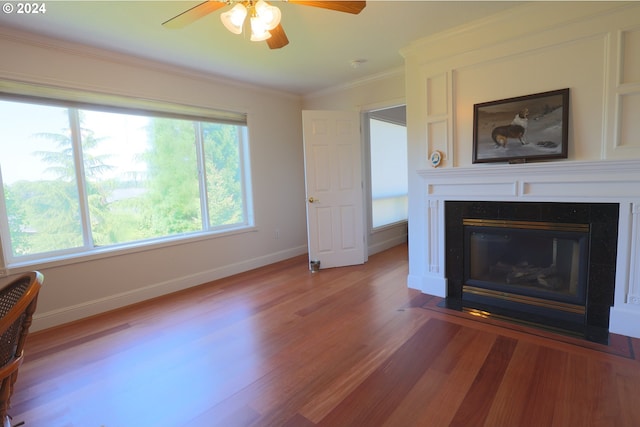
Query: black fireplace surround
(597, 247)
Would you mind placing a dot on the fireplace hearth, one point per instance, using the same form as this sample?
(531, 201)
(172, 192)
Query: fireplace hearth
(547, 264)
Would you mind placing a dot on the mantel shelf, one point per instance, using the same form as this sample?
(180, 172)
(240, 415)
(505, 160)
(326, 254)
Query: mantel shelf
(588, 181)
(605, 168)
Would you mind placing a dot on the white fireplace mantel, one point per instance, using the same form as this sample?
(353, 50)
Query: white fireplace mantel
(562, 181)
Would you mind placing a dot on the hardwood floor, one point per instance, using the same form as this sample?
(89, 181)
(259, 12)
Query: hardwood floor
(280, 346)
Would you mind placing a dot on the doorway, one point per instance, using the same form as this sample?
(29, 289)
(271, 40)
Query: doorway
(386, 168)
(342, 202)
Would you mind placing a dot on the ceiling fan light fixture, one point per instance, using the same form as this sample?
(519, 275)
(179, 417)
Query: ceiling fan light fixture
(259, 31)
(258, 10)
(269, 15)
(234, 18)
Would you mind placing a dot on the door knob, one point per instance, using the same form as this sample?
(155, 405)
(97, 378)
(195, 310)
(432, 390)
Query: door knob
(311, 200)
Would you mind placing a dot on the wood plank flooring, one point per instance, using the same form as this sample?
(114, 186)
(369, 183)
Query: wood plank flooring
(348, 347)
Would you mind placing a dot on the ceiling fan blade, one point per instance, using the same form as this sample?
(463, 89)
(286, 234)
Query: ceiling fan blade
(278, 38)
(193, 14)
(354, 7)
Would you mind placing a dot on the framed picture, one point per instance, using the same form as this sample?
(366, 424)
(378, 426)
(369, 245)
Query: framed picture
(517, 130)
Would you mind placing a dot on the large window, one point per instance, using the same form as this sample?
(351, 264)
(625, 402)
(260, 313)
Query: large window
(76, 178)
(389, 173)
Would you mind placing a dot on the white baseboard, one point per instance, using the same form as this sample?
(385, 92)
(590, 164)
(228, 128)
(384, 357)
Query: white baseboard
(76, 312)
(625, 320)
(431, 285)
(387, 244)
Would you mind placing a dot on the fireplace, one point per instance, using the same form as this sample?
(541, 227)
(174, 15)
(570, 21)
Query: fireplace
(549, 264)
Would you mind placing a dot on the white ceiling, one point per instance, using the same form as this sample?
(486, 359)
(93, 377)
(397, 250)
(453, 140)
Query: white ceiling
(323, 43)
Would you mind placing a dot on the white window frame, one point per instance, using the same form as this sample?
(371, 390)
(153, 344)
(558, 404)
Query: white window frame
(19, 92)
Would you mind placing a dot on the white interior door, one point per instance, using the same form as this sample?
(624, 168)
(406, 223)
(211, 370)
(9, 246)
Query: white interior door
(333, 170)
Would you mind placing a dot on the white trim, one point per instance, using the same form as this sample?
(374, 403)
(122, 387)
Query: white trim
(562, 181)
(399, 71)
(387, 244)
(44, 320)
(122, 59)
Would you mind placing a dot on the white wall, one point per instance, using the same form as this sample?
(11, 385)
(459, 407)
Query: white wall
(375, 92)
(92, 285)
(592, 48)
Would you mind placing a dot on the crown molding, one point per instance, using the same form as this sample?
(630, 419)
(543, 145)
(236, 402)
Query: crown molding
(394, 72)
(98, 54)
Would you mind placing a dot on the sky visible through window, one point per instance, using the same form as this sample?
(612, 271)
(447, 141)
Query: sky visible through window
(125, 137)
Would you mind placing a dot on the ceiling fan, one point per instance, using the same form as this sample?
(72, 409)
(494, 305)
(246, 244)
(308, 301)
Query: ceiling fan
(263, 17)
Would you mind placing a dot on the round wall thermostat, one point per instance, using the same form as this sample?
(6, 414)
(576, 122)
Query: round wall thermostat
(436, 158)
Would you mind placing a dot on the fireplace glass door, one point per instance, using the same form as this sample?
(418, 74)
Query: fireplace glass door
(538, 260)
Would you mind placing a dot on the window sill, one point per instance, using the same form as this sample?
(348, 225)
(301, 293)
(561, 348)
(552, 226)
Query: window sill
(393, 225)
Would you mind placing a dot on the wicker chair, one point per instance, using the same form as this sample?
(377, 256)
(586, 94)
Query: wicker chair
(17, 305)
